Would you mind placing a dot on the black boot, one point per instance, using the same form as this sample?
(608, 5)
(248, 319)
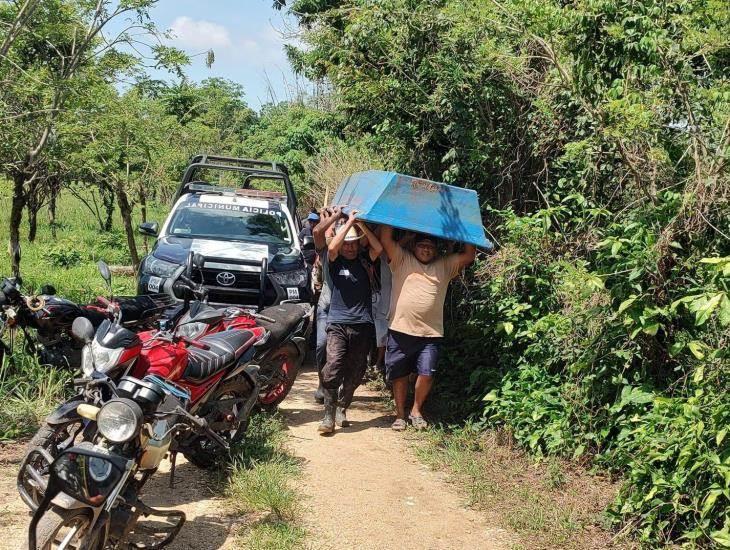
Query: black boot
(319, 395)
(327, 426)
(341, 418)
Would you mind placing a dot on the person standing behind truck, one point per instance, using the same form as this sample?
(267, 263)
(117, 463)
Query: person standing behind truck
(416, 317)
(350, 319)
(321, 234)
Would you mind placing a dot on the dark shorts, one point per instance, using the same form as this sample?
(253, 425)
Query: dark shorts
(405, 354)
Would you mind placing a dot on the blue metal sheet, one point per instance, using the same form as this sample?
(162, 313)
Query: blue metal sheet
(415, 204)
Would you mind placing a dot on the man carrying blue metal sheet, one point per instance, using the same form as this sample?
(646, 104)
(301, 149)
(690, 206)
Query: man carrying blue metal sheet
(416, 317)
(350, 319)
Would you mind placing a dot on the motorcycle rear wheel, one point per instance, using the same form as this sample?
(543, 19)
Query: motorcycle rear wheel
(58, 523)
(282, 367)
(201, 451)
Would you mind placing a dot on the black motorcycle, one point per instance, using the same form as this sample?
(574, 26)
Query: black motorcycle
(92, 498)
(45, 319)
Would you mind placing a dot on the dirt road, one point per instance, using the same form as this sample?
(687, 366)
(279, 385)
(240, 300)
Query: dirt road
(364, 489)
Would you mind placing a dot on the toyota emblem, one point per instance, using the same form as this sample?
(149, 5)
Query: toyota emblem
(225, 278)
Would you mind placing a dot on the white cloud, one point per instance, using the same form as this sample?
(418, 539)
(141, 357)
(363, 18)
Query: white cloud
(199, 34)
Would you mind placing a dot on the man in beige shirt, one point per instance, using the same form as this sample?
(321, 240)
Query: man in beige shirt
(416, 317)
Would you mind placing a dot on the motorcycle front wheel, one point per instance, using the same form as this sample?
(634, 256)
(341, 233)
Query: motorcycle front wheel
(52, 439)
(59, 526)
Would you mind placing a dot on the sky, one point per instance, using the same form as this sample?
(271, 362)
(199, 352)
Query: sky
(246, 36)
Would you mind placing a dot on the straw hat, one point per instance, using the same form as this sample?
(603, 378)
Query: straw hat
(352, 235)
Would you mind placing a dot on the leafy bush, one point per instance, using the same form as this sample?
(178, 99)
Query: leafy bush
(29, 392)
(63, 255)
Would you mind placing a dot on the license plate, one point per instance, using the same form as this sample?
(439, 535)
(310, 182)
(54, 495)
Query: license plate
(153, 285)
(292, 293)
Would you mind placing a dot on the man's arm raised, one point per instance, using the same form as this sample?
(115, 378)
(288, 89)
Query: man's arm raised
(328, 217)
(386, 239)
(376, 248)
(467, 256)
(333, 250)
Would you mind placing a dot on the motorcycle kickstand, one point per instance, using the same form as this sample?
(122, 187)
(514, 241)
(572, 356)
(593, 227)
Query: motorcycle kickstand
(173, 458)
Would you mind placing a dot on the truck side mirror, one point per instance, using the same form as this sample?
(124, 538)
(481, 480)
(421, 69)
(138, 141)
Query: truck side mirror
(151, 229)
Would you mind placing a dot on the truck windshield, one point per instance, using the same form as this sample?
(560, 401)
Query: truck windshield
(244, 224)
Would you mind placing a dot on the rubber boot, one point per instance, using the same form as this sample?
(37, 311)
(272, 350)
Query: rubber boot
(341, 418)
(327, 426)
(319, 394)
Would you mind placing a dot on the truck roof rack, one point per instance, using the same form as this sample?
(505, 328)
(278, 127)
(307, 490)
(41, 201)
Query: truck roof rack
(254, 170)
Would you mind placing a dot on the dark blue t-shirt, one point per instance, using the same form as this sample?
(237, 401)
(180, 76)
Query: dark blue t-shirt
(351, 300)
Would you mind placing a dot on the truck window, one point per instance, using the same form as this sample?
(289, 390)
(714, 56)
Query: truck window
(211, 222)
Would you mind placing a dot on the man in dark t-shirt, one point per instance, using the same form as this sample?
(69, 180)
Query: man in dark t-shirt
(350, 326)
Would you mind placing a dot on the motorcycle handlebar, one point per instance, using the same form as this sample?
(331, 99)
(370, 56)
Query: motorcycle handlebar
(103, 301)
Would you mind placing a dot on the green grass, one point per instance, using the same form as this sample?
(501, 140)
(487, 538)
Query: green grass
(29, 392)
(260, 483)
(68, 262)
(540, 502)
(276, 535)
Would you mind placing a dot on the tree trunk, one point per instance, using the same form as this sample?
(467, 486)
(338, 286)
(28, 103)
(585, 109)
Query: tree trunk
(32, 223)
(107, 197)
(125, 210)
(55, 190)
(16, 217)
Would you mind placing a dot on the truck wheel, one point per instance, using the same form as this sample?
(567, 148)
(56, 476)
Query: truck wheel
(281, 367)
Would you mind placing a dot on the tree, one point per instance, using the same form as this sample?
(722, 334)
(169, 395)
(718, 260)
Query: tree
(60, 47)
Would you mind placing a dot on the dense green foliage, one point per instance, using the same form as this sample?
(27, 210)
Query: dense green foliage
(598, 131)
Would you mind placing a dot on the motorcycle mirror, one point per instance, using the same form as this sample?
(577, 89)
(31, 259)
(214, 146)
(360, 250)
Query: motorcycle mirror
(48, 290)
(82, 330)
(189, 265)
(198, 260)
(106, 274)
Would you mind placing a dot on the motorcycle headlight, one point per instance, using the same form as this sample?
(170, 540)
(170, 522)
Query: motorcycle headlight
(87, 361)
(298, 277)
(104, 359)
(119, 420)
(160, 268)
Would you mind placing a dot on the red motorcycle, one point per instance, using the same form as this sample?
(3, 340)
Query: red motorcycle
(225, 361)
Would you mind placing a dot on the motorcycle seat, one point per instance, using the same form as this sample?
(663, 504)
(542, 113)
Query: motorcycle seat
(287, 317)
(225, 348)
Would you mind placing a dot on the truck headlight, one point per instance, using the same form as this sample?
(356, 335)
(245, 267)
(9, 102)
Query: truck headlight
(119, 420)
(160, 268)
(298, 277)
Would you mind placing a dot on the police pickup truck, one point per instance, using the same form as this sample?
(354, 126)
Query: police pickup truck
(247, 236)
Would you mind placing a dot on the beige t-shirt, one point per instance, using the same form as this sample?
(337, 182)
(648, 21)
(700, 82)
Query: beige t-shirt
(419, 291)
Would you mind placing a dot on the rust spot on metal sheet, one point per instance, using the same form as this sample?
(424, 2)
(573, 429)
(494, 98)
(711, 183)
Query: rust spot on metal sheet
(424, 185)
